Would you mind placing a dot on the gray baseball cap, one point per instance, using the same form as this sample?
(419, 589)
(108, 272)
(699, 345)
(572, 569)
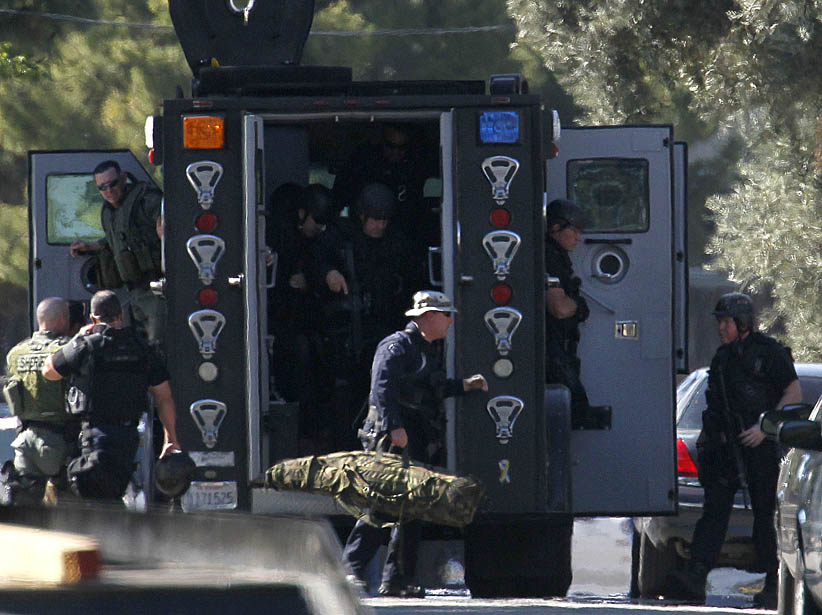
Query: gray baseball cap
(431, 301)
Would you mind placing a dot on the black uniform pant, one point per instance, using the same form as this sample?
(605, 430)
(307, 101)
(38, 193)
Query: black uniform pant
(563, 367)
(720, 484)
(106, 462)
(403, 540)
(403, 547)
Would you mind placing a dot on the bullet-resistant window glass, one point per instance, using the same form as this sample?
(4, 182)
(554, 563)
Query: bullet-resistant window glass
(613, 192)
(73, 208)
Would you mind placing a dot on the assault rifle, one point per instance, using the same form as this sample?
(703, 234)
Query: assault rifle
(355, 298)
(733, 427)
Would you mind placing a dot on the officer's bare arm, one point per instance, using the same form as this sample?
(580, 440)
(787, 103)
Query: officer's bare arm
(558, 304)
(79, 247)
(167, 415)
(48, 371)
(791, 395)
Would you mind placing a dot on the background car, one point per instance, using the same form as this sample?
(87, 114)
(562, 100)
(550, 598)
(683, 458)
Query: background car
(662, 544)
(799, 516)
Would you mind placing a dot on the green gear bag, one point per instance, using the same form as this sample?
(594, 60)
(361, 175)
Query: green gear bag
(375, 486)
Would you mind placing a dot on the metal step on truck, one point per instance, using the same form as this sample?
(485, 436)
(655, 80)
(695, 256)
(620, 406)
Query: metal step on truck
(256, 120)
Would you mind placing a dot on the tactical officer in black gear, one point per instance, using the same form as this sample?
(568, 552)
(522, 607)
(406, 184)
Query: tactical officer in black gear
(111, 369)
(369, 267)
(749, 374)
(305, 218)
(408, 383)
(565, 309)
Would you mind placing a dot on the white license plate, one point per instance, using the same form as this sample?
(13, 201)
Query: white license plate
(202, 495)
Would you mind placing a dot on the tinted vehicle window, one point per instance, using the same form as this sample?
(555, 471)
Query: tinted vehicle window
(693, 395)
(811, 389)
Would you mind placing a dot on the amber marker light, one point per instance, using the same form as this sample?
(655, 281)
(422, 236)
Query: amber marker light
(203, 132)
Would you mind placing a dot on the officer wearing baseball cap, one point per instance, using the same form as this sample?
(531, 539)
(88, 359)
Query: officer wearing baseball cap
(408, 382)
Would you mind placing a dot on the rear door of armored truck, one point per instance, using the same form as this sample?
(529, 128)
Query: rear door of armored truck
(64, 206)
(633, 282)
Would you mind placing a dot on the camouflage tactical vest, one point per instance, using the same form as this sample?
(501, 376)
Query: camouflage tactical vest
(133, 242)
(40, 399)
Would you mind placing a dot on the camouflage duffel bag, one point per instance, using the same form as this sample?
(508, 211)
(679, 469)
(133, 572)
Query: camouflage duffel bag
(382, 488)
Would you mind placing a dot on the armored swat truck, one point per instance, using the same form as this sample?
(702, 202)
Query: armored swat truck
(255, 121)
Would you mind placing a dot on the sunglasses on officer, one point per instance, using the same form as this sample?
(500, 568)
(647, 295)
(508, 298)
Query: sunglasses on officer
(108, 185)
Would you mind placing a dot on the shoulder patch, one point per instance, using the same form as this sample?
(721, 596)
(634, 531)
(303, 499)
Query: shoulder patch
(395, 349)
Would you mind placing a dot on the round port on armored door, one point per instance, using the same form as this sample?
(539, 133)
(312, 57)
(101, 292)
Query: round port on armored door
(610, 264)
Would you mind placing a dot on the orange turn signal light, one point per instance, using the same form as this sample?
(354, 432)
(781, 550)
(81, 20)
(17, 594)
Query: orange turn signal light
(203, 132)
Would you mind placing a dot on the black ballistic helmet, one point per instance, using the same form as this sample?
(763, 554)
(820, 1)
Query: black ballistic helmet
(375, 201)
(287, 198)
(319, 203)
(565, 213)
(737, 306)
(173, 473)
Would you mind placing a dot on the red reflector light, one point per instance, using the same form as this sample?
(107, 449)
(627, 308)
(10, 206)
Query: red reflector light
(501, 293)
(500, 217)
(207, 296)
(206, 222)
(151, 155)
(684, 463)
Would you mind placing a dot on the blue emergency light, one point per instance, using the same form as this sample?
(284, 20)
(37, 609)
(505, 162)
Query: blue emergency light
(499, 127)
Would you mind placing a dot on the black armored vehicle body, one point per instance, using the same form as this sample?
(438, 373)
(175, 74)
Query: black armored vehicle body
(256, 120)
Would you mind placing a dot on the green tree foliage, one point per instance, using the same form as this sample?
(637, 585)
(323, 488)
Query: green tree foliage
(425, 39)
(93, 88)
(14, 65)
(739, 79)
(97, 82)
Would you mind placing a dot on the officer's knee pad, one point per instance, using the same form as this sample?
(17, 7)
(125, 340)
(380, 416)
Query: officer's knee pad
(19, 490)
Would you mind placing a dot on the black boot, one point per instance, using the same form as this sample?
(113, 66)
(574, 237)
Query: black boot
(688, 584)
(767, 598)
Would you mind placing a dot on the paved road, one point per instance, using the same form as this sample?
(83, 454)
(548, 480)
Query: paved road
(452, 605)
(602, 575)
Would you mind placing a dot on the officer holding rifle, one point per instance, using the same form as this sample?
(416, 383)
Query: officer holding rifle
(749, 374)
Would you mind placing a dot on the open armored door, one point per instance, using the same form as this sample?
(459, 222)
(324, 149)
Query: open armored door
(64, 205)
(622, 177)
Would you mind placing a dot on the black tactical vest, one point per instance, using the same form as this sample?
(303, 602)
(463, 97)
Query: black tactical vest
(111, 383)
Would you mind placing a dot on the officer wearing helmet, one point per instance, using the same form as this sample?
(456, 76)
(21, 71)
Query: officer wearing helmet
(368, 269)
(749, 374)
(565, 309)
(408, 384)
(295, 305)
